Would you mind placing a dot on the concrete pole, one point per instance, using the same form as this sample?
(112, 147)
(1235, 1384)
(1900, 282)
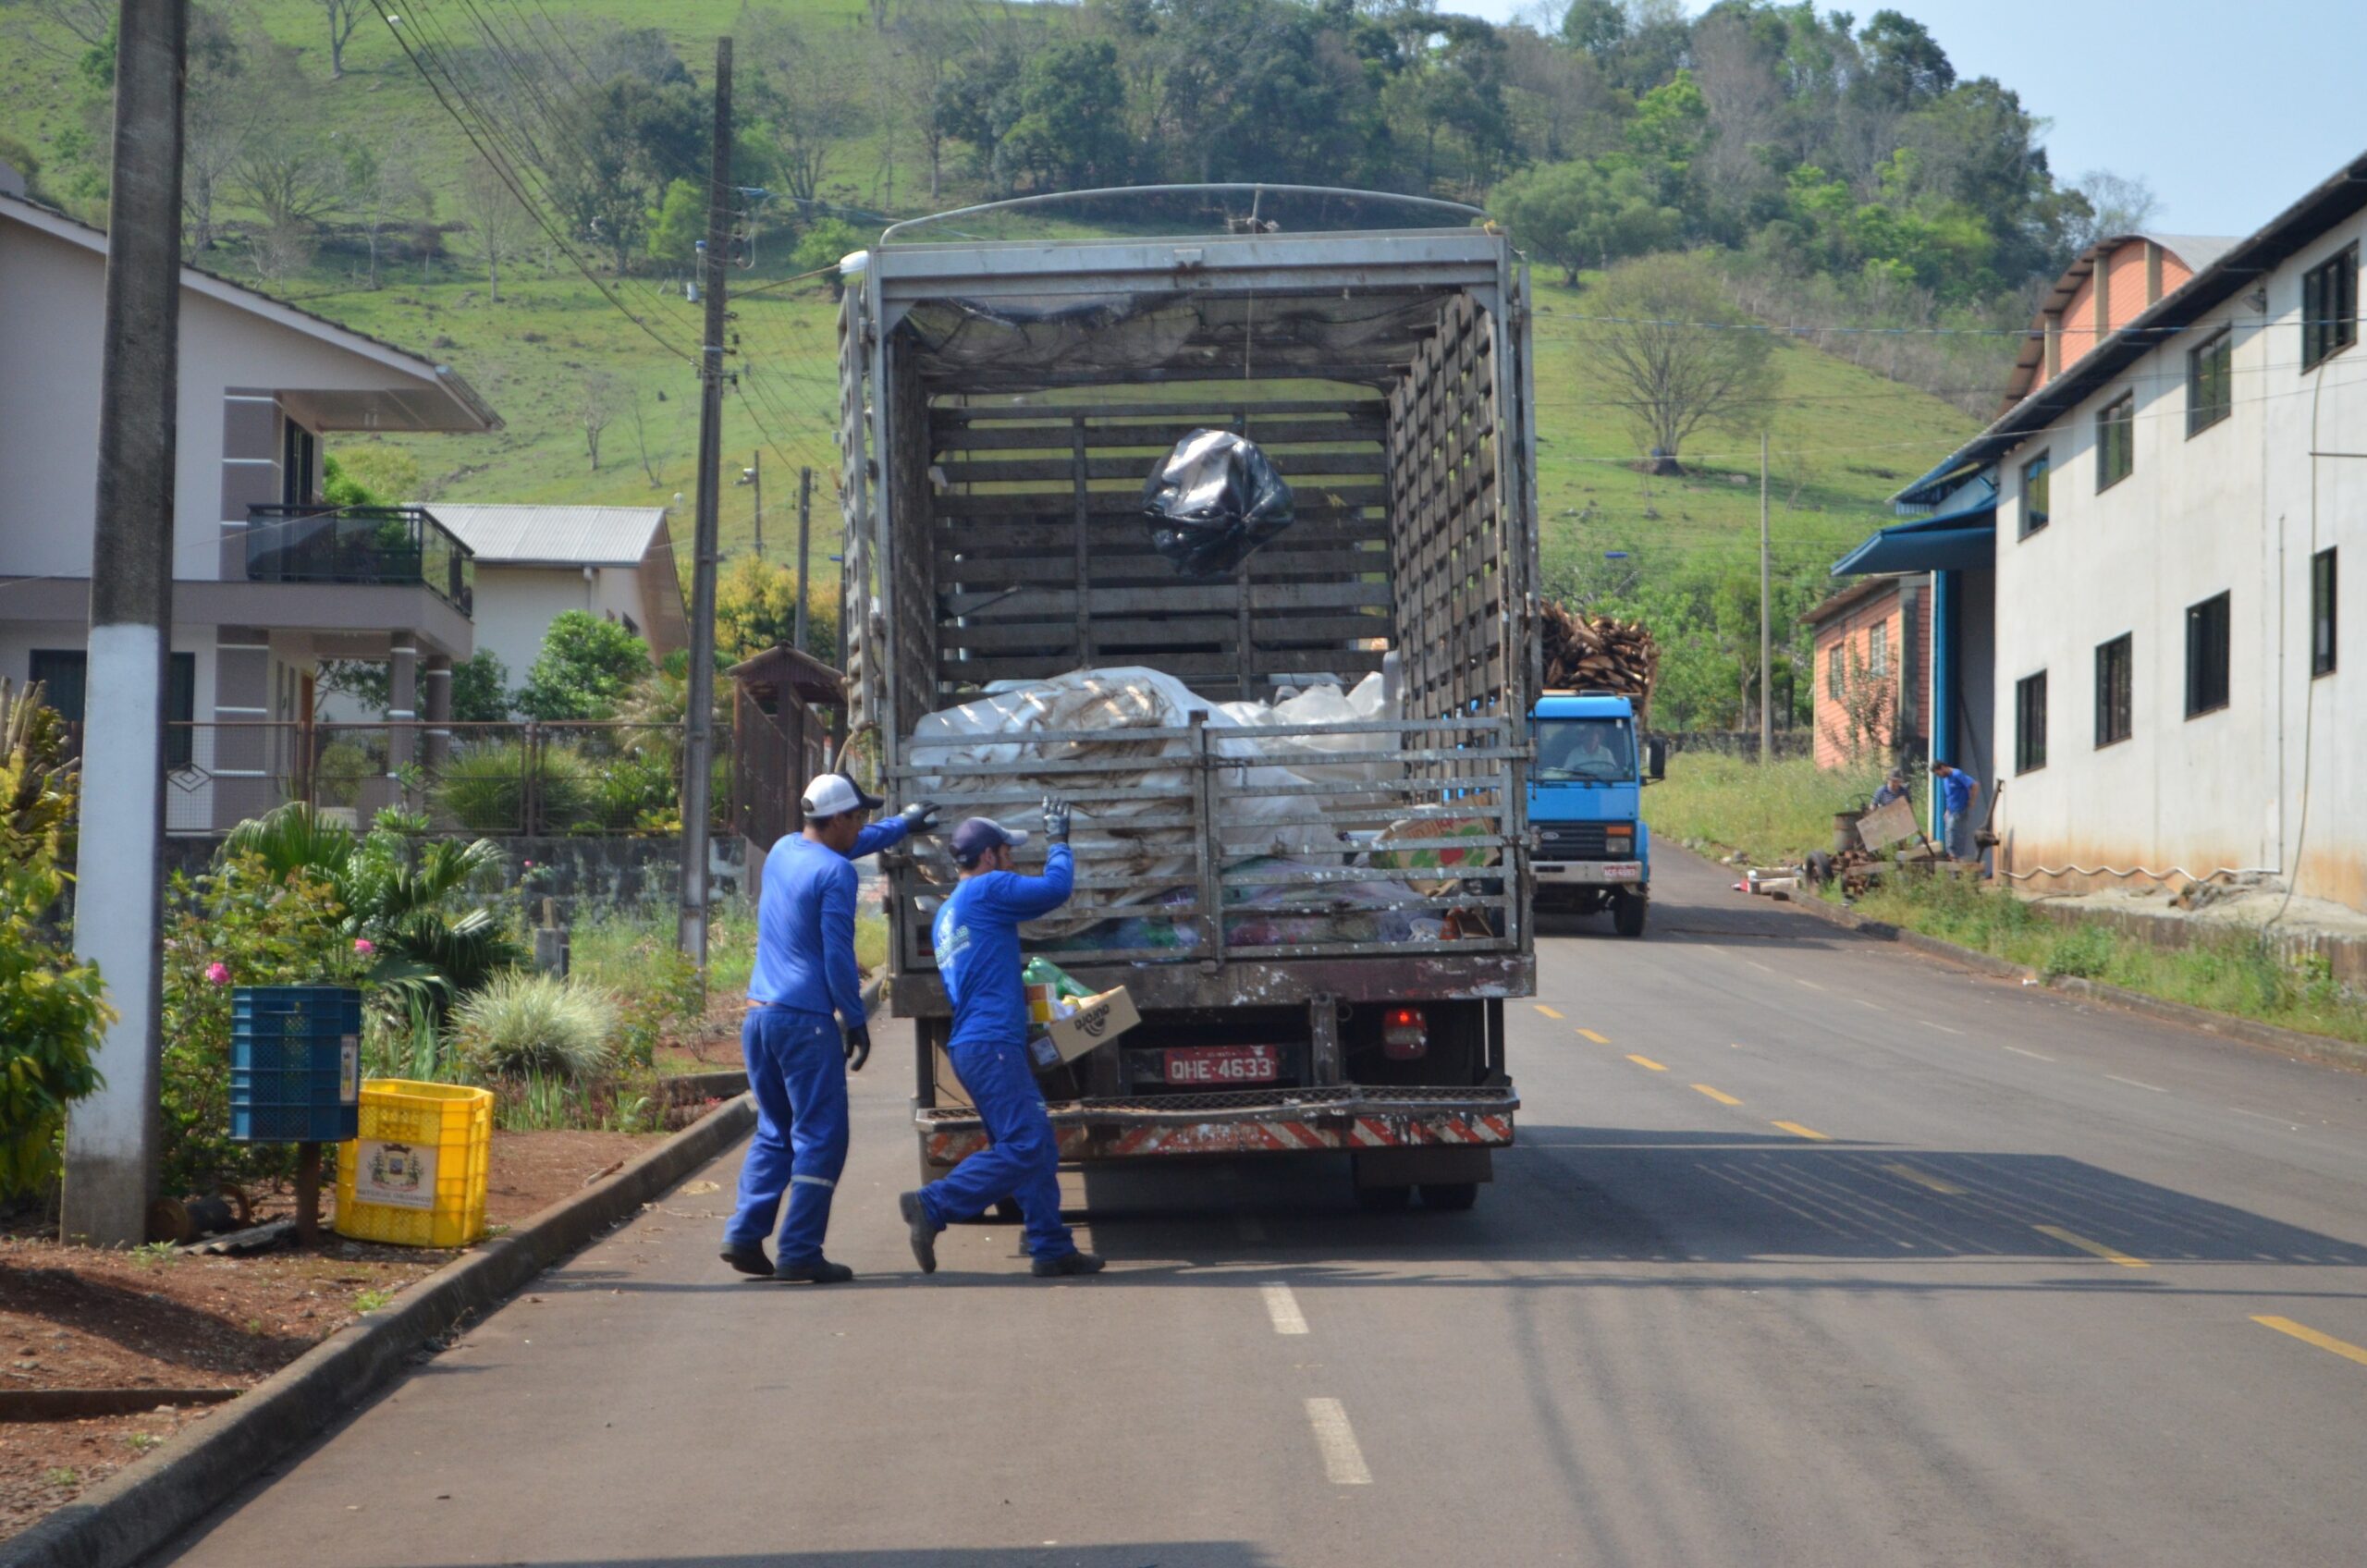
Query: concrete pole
(805, 551)
(756, 478)
(698, 723)
(112, 1138)
(1766, 624)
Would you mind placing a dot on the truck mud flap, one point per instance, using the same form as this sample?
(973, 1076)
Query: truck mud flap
(1243, 1123)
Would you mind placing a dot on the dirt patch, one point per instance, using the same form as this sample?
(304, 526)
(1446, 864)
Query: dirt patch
(74, 1319)
(711, 1044)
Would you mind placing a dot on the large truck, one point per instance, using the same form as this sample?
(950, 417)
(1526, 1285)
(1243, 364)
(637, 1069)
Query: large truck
(1585, 799)
(1318, 966)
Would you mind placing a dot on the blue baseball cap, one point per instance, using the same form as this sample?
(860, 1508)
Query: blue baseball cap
(978, 834)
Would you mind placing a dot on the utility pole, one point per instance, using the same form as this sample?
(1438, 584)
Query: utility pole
(756, 478)
(112, 1138)
(698, 721)
(1766, 624)
(804, 550)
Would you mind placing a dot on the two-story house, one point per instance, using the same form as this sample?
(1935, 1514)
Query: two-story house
(266, 580)
(2171, 510)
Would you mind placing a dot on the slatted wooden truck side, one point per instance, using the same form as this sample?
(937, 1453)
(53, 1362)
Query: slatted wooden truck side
(1002, 406)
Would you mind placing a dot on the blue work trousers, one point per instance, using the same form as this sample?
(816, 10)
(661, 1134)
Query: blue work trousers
(797, 1070)
(1023, 1162)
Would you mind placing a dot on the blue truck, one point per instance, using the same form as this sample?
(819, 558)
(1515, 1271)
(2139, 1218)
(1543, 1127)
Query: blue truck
(1584, 794)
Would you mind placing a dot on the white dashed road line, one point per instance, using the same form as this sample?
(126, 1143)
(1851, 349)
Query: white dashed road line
(1343, 1462)
(1941, 1027)
(1282, 1307)
(2133, 1083)
(2032, 1054)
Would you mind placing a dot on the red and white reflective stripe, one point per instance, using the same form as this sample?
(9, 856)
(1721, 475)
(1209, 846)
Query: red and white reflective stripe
(1252, 1137)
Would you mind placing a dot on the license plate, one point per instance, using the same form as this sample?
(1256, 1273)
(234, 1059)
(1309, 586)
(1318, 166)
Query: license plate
(1224, 1064)
(1618, 871)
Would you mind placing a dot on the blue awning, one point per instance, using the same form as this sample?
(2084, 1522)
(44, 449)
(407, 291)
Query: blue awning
(1962, 540)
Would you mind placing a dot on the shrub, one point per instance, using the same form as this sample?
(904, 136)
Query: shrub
(483, 787)
(52, 1009)
(2083, 951)
(337, 777)
(240, 924)
(522, 1023)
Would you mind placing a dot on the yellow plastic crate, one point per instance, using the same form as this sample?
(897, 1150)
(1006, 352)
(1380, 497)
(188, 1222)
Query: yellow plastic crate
(415, 1177)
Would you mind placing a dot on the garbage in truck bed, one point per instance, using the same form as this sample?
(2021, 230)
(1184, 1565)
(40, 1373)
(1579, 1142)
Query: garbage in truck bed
(1212, 500)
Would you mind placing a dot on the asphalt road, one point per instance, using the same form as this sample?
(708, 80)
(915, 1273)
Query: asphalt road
(1812, 1252)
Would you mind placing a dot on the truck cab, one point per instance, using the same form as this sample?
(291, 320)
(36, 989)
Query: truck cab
(1585, 795)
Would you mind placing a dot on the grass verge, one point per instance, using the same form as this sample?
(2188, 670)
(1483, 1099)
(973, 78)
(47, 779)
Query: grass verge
(2238, 975)
(1774, 814)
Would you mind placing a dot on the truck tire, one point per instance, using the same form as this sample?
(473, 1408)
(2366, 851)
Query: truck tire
(1451, 1196)
(1627, 914)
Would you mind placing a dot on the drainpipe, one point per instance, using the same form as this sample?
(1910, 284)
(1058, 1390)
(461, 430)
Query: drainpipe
(1944, 588)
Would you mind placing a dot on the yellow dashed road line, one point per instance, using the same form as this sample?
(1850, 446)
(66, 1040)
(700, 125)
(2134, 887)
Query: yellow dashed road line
(1598, 1039)
(2110, 1255)
(2310, 1336)
(1717, 1095)
(1798, 1131)
(1925, 1179)
(1546, 1010)
(1648, 1064)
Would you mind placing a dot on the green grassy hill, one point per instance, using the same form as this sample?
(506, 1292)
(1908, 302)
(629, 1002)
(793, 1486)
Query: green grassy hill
(1842, 438)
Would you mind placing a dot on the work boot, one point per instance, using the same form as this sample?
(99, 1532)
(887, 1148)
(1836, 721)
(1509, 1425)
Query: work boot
(1067, 1263)
(748, 1257)
(922, 1228)
(820, 1271)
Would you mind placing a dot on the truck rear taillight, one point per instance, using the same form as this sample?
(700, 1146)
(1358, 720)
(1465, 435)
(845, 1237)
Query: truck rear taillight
(1405, 1034)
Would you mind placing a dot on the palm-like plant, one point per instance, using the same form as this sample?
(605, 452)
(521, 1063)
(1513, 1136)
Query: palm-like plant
(403, 894)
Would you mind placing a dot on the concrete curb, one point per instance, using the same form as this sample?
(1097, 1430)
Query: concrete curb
(2288, 1042)
(146, 1503)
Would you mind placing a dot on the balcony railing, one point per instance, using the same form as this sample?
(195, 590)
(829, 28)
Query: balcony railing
(377, 545)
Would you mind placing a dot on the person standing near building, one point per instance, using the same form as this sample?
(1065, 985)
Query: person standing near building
(976, 939)
(1959, 791)
(1893, 789)
(798, 1055)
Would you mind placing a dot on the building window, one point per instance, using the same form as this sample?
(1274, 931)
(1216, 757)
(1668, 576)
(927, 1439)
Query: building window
(2322, 612)
(2035, 490)
(2210, 391)
(64, 675)
(2330, 307)
(2116, 679)
(2206, 657)
(2030, 723)
(1832, 672)
(297, 456)
(2115, 440)
(1878, 651)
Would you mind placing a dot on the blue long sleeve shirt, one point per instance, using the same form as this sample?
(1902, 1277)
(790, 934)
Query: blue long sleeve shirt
(976, 938)
(805, 924)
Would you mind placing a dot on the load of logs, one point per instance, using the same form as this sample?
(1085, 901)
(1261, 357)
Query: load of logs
(1597, 652)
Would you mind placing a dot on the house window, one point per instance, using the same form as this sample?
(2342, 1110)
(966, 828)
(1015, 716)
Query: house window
(2330, 307)
(2030, 723)
(2116, 678)
(64, 676)
(2210, 391)
(2322, 612)
(2115, 440)
(297, 454)
(2035, 491)
(2206, 657)
(1833, 673)
(1878, 651)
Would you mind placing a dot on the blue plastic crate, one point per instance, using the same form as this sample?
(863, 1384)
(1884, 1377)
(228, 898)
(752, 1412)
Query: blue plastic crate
(295, 1064)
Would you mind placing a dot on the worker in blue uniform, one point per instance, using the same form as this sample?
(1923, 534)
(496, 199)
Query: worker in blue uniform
(798, 1057)
(977, 940)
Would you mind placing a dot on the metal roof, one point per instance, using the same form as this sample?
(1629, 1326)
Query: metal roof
(2332, 201)
(556, 535)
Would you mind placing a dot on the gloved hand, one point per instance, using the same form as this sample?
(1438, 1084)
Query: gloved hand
(858, 1045)
(920, 816)
(1055, 820)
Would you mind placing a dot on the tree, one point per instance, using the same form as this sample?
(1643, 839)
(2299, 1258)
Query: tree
(823, 245)
(1674, 354)
(481, 689)
(806, 95)
(677, 222)
(755, 609)
(619, 145)
(586, 666)
(2117, 204)
(501, 224)
(595, 406)
(381, 187)
(1071, 128)
(290, 181)
(1589, 214)
(343, 17)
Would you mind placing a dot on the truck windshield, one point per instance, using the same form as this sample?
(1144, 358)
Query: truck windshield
(1591, 749)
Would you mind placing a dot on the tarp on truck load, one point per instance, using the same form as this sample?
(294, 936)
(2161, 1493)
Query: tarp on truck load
(987, 746)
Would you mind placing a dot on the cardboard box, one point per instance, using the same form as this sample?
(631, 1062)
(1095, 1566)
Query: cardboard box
(1097, 1020)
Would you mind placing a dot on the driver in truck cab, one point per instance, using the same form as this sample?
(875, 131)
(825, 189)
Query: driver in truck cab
(977, 940)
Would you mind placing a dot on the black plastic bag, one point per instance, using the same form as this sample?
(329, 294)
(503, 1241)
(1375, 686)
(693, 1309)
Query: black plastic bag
(1212, 500)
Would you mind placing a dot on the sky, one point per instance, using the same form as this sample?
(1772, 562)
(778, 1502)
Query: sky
(2229, 109)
